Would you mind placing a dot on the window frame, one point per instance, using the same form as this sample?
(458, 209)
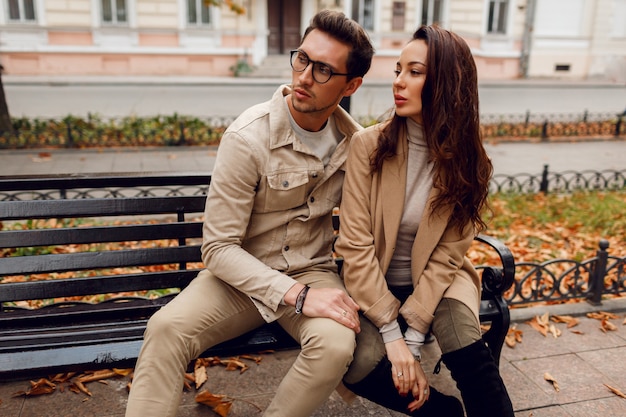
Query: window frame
(359, 8)
(199, 23)
(114, 13)
(21, 11)
(427, 14)
(499, 19)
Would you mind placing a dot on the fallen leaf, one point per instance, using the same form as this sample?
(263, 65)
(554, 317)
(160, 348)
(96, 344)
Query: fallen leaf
(602, 315)
(544, 319)
(534, 323)
(568, 320)
(82, 388)
(40, 387)
(513, 337)
(577, 332)
(221, 404)
(233, 364)
(607, 326)
(551, 379)
(554, 331)
(200, 374)
(615, 391)
(97, 376)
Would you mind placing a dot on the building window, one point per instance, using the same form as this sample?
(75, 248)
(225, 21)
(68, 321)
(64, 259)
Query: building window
(198, 13)
(432, 12)
(397, 15)
(498, 11)
(114, 11)
(21, 10)
(363, 12)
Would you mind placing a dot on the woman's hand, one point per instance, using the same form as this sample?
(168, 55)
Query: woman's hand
(402, 366)
(407, 373)
(421, 390)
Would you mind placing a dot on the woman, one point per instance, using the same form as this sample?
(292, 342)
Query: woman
(413, 194)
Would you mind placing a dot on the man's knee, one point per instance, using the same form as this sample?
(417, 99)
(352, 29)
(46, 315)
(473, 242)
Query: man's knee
(370, 349)
(334, 341)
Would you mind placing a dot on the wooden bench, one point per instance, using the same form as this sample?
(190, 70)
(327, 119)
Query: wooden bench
(89, 243)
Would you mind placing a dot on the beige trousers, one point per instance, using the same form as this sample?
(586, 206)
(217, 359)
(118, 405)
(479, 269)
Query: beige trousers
(208, 312)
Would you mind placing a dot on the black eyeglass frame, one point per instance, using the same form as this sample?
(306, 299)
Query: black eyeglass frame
(314, 63)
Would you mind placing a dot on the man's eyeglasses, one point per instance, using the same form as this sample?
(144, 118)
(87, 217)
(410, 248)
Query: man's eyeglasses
(322, 73)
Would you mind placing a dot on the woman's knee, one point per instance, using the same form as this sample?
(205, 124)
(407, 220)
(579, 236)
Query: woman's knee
(455, 325)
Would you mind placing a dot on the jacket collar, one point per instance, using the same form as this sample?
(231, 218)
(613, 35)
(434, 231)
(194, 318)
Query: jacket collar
(281, 133)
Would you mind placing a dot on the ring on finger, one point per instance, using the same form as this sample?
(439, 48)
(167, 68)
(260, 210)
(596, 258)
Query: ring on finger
(344, 313)
(400, 374)
(425, 391)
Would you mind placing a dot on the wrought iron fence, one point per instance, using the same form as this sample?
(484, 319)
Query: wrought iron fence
(177, 130)
(559, 182)
(566, 279)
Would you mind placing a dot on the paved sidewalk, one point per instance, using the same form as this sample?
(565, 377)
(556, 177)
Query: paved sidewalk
(581, 360)
(508, 159)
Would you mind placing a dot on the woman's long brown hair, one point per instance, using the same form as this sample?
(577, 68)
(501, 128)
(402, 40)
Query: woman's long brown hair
(462, 169)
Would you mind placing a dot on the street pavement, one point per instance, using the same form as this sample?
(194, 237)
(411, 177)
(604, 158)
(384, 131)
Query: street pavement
(508, 159)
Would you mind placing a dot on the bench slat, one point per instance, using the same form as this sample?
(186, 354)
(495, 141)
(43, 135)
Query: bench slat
(102, 180)
(26, 265)
(99, 234)
(41, 290)
(100, 207)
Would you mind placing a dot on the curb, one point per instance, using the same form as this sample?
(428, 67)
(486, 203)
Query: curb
(581, 308)
(61, 80)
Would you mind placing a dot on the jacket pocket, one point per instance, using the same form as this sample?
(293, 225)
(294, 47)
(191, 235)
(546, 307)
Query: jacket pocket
(286, 190)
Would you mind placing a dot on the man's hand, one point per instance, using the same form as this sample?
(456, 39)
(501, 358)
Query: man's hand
(327, 302)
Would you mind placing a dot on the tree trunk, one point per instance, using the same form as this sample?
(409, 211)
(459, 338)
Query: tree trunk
(5, 118)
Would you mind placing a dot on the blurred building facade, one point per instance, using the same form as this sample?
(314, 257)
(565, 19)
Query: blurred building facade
(510, 39)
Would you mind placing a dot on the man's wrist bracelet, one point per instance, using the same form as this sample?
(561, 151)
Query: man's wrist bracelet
(300, 299)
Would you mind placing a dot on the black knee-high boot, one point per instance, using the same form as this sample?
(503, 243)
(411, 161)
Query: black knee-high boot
(378, 387)
(478, 379)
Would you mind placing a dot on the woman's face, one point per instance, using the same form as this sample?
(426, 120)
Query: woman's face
(410, 77)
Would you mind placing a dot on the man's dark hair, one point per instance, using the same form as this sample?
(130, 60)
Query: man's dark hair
(347, 31)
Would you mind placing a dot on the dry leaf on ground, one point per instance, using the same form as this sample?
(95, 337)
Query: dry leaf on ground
(615, 391)
(607, 326)
(602, 315)
(551, 379)
(220, 404)
(569, 320)
(200, 374)
(40, 387)
(513, 337)
(536, 324)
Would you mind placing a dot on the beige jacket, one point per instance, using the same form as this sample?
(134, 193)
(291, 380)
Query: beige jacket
(371, 210)
(269, 207)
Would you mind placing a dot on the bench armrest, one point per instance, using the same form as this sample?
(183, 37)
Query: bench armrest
(496, 281)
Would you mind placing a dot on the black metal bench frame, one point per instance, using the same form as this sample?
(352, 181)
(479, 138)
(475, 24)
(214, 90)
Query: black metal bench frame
(75, 335)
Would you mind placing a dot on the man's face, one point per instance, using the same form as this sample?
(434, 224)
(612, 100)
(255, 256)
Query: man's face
(311, 102)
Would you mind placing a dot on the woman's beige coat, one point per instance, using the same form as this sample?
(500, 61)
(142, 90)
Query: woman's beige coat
(370, 214)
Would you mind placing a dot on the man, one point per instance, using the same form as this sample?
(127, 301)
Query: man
(268, 235)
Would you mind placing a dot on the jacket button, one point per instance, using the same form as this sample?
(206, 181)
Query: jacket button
(314, 175)
(286, 248)
(312, 199)
(285, 184)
